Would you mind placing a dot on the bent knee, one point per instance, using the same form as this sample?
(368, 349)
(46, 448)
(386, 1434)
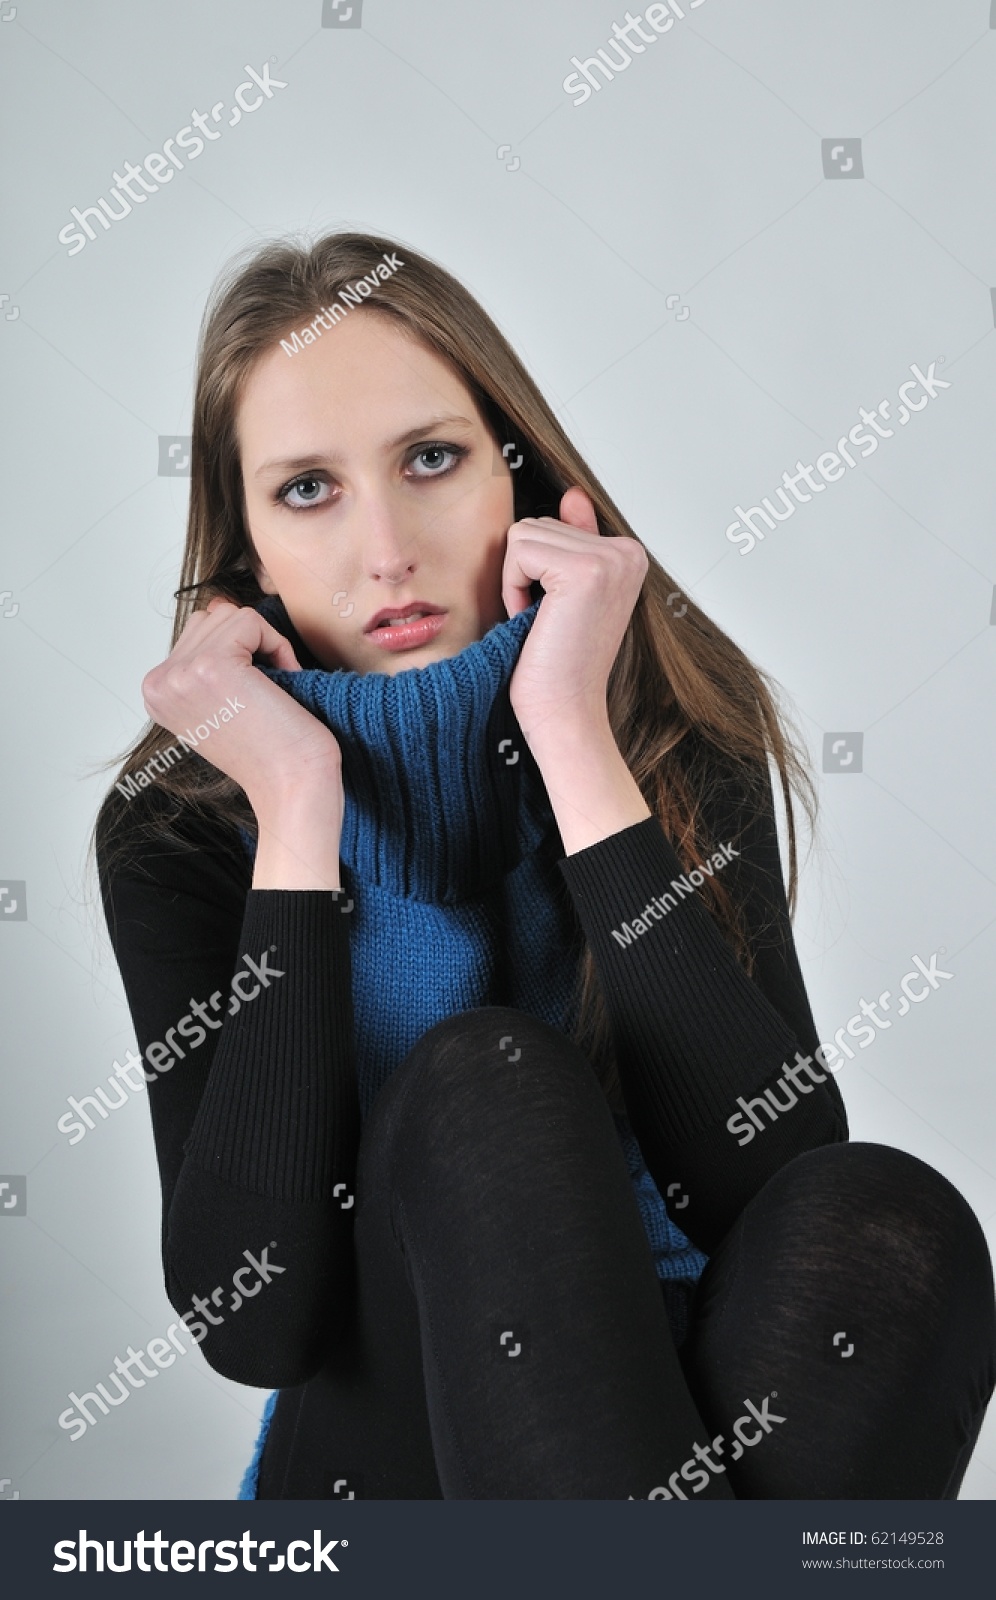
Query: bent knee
(493, 1054)
(886, 1194)
(858, 1166)
(469, 1040)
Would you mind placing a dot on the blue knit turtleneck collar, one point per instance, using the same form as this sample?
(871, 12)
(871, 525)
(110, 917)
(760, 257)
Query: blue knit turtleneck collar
(442, 797)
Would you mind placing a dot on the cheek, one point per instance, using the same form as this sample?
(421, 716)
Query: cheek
(293, 550)
(494, 509)
(262, 524)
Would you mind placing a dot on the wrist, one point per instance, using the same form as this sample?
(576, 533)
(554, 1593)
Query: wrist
(570, 722)
(312, 789)
(591, 790)
(574, 737)
(299, 837)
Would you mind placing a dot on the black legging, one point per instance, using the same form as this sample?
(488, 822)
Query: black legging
(511, 1341)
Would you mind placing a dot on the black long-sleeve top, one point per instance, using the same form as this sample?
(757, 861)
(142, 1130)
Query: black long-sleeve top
(257, 1124)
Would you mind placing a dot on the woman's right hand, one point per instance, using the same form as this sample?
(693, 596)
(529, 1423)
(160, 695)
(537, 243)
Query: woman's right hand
(286, 761)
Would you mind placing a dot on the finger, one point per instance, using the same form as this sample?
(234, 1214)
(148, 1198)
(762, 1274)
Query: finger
(538, 558)
(514, 583)
(262, 639)
(275, 649)
(577, 510)
(250, 631)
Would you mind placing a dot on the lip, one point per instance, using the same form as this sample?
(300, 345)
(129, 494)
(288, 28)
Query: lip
(402, 610)
(407, 635)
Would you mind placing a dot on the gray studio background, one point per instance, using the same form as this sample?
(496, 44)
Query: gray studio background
(704, 302)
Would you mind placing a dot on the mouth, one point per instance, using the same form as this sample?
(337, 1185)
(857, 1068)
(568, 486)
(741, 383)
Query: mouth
(413, 612)
(406, 627)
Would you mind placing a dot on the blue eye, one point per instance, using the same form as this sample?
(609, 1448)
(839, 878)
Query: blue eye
(308, 489)
(439, 458)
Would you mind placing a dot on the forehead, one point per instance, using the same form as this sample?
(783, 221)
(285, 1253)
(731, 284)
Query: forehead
(363, 377)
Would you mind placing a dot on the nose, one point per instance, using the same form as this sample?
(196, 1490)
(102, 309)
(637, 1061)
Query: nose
(390, 546)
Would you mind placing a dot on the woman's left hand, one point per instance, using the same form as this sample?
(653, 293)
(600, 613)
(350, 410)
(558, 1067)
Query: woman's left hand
(591, 585)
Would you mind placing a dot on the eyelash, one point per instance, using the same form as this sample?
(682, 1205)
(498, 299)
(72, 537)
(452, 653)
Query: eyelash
(457, 451)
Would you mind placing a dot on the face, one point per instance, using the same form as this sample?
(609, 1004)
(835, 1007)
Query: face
(374, 493)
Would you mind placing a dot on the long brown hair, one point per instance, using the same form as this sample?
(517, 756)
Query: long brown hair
(686, 705)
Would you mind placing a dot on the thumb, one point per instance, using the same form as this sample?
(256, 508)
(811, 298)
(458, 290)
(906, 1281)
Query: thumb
(577, 510)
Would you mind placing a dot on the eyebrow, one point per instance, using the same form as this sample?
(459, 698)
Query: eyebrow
(424, 430)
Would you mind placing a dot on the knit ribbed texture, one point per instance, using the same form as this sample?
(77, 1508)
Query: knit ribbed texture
(433, 807)
(433, 804)
(290, 1128)
(706, 1054)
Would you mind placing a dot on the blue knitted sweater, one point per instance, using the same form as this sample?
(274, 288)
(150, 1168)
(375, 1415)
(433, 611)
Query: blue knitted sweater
(449, 854)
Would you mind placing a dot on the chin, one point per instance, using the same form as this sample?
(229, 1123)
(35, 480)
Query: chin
(424, 657)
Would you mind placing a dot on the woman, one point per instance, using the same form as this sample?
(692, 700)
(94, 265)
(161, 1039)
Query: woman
(481, 823)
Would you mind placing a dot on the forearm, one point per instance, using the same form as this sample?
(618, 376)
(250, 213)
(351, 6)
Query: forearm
(255, 1109)
(299, 833)
(591, 790)
(692, 1032)
(270, 1157)
(278, 1114)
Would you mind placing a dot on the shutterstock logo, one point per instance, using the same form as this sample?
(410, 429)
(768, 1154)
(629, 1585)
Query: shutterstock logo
(842, 158)
(628, 40)
(161, 166)
(13, 1195)
(183, 1555)
(754, 522)
(342, 14)
(174, 455)
(915, 985)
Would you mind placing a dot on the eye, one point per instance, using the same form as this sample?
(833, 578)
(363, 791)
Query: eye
(438, 459)
(303, 492)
